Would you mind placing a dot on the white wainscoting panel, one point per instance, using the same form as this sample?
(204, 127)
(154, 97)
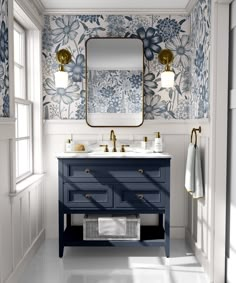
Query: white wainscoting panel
(27, 222)
(17, 233)
(21, 214)
(5, 212)
(199, 226)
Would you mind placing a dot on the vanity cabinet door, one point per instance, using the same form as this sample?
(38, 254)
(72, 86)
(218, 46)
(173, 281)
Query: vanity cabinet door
(140, 195)
(82, 195)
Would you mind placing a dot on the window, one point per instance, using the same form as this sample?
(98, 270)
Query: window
(23, 107)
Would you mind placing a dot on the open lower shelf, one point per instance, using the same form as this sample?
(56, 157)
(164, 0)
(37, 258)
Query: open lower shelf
(150, 236)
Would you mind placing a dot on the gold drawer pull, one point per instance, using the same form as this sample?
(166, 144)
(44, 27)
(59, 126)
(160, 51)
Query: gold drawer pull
(88, 196)
(140, 171)
(139, 196)
(87, 170)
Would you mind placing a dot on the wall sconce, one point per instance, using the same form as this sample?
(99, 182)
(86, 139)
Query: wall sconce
(61, 76)
(167, 77)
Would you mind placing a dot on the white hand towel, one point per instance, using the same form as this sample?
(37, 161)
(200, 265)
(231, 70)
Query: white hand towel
(112, 226)
(190, 168)
(198, 192)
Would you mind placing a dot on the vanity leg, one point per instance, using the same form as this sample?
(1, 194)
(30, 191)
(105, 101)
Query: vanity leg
(160, 219)
(68, 220)
(167, 232)
(61, 229)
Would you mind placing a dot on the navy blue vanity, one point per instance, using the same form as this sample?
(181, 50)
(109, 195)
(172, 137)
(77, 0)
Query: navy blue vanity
(99, 185)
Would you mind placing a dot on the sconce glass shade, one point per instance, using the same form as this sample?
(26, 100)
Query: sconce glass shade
(61, 79)
(167, 79)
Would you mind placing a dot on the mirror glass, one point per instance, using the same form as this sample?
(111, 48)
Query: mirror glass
(114, 82)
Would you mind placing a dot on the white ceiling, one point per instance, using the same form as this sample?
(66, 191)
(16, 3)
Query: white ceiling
(115, 4)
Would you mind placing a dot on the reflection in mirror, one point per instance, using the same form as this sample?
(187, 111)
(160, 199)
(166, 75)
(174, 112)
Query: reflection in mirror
(114, 82)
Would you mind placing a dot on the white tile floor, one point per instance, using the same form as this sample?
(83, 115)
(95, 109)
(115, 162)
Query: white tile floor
(113, 265)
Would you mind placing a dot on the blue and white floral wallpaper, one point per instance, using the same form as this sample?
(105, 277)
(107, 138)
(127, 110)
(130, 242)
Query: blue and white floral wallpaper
(4, 63)
(200, 38)
(111, 85)
(185, 36)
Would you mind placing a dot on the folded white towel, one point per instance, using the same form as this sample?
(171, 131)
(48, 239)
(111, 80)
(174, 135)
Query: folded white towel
(198, 192)
(190, 166)
(112, 226)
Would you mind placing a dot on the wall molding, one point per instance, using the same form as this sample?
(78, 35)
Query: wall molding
(113, 11)
(67, 127)
(185, 11)
(14, 277)
(27, 9)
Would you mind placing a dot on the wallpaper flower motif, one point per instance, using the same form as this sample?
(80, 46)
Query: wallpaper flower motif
(182, 48)
(168, 28)
(150, 40)
(4, 64)
(109, 95)
(157, 32)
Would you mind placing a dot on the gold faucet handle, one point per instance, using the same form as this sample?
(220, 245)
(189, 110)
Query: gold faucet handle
(106, 147)
(123, 147)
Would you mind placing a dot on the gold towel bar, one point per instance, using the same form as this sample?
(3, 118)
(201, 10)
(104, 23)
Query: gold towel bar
(195, 130)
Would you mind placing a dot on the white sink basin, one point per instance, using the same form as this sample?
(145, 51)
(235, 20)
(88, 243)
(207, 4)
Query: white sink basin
(115, 154)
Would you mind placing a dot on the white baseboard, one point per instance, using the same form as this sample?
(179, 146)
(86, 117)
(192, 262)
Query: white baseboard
(201, 257)
(13, 278)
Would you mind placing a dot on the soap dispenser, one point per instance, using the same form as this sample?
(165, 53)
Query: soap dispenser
(158, 146)
(144, 143)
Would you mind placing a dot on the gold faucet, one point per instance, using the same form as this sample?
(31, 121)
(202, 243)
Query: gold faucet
(113, 138)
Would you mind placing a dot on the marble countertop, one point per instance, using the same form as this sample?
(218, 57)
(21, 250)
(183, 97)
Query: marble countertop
(99, 154)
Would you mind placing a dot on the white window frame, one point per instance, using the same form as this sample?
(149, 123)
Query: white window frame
(24, 101)
(21, 30)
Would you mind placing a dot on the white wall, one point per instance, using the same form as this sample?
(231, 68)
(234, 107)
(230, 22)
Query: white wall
(231, 204)
(176, 137)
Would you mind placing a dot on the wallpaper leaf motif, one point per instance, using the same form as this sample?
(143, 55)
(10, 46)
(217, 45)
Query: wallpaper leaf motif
(4, 63)
(187, 100)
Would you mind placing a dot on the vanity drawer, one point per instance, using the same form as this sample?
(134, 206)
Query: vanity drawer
(115, 170)
(140, 195)
(77, 195)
